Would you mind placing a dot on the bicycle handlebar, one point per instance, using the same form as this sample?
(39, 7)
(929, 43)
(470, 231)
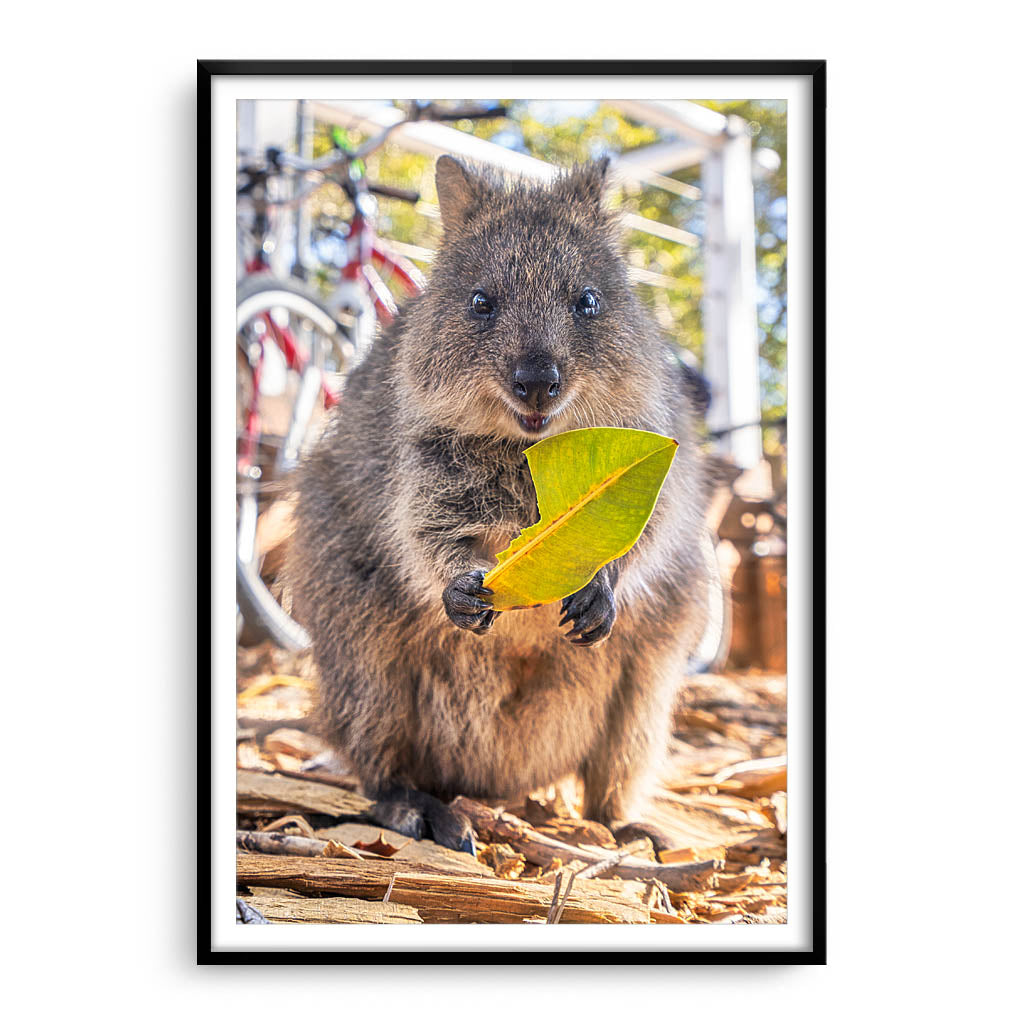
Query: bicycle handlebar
(432, 113)
(278, 160)
(390, 192)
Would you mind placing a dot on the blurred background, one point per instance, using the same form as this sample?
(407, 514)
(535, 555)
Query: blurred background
(338, 220)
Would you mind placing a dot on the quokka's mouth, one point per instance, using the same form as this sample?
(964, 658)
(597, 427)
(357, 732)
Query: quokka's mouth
(534, 423)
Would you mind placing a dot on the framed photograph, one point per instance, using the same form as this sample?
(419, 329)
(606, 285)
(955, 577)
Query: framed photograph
(514, 448)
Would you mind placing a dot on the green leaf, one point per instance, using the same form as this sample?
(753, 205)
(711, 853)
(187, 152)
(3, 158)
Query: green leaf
(596, 489)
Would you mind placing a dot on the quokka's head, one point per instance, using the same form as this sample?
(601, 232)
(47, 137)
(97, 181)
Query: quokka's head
(528, 326)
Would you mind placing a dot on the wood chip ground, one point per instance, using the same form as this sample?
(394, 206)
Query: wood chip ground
(721, 800)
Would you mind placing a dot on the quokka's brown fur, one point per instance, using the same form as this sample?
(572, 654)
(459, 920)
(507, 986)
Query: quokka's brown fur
(420, 479)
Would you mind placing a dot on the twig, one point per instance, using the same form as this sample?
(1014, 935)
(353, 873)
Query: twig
(282, 843)
(497, 826)
(555, 915)
(565, 898)
(666, 898)
(391, 886)
(554, 898)
(609, 862)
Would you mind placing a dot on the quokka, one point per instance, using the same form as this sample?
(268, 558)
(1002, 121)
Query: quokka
(528, 327)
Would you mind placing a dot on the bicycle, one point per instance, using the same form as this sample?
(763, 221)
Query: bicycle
(285, 330)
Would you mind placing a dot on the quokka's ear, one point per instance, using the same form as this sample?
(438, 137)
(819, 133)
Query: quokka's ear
(586, 182)
(459, 189)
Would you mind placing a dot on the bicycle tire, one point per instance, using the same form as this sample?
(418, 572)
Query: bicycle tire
(260, 289)
(262, 615)
(263, 618)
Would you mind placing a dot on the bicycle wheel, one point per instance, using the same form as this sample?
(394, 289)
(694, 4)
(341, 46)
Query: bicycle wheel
(288, 346)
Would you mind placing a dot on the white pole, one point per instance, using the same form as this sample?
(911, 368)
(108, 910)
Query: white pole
(245, 120)
(731, 361)
(263, 123)
(304, 147)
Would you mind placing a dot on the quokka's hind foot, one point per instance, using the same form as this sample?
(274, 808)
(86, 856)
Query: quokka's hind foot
(642, 830)
(422, 816)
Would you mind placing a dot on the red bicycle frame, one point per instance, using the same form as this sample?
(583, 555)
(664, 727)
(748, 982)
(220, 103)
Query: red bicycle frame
(363, 254)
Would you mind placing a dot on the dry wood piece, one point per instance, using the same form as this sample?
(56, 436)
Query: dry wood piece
(295, 742)
(302, 846)
(751, 716)
(289, 845)
(695, 718)
(327, 778)
(756, 778)
(283, 907)
(558, 804)
(267, 683)
(336, 849)
(262, 791)
(279, 843)
(248, 755)
(706, 820)
(295, 820)
(766, 844)
(437, 897)
(503, 860)
(577, 832)
(611, 860)
(661, 917)
(253, 727)
(691, 854)
(500, 901)
(777, 801)
(497, 826)
(423, 852)
(733, 883)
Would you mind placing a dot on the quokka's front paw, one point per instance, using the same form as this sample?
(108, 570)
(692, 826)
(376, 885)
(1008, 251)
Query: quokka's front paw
(592, 610)
(465, 602)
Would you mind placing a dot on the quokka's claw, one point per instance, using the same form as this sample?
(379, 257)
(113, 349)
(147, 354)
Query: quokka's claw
(464, 604)
(592, 611)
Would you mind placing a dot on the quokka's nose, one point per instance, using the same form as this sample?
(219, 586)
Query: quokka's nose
(537, 386)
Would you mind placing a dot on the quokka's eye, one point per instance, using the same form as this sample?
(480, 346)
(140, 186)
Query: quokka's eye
(588, 303)
(481, 305)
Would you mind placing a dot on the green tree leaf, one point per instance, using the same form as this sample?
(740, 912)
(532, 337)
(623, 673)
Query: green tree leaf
(596, 489)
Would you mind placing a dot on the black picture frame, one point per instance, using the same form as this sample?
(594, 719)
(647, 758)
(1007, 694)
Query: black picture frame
(815, 71)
